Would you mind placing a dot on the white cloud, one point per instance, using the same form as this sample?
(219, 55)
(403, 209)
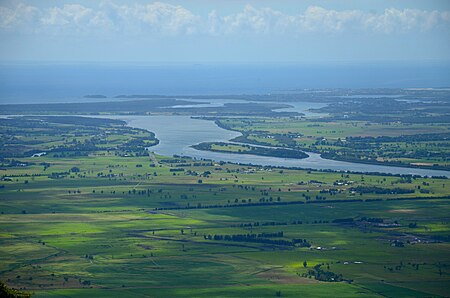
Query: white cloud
(395, 20)
(69, 14)
(318, 18)
(168, 18)
(265, 20)
(19, 17)
(164, 19)
(213, 23)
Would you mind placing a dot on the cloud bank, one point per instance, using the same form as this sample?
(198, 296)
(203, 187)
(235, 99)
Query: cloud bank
(163, 19)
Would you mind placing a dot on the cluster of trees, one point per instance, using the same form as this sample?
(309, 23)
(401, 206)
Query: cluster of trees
(372, 219)
(8, 163)
(324, 275)
(7, 292)
(269, 223)
(343, 220)
(379, 191)
(58, 175)
(250, 204)
(260, 238)
(392, 155)
(139, 143)
(415, 266)
(363, 141)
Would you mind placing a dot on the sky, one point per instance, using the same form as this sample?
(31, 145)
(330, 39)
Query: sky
(223, 31)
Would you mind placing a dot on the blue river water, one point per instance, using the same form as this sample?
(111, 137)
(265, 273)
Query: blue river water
(178, 133)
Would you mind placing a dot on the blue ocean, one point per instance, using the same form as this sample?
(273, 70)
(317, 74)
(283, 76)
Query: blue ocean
(69, 82)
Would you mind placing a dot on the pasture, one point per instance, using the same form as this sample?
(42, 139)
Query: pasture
(117, 229)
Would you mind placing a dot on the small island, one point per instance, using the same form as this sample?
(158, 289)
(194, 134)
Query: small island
(95, 96)
(248, 149)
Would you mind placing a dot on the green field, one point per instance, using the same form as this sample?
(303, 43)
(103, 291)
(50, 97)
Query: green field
(123, 222)
(423, 145)
(249, 149)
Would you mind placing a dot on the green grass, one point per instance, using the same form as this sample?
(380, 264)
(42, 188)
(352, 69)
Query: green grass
(134, 236)
(313, 290)
(322, 136)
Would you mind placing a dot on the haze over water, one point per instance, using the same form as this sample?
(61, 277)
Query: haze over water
(40, 83)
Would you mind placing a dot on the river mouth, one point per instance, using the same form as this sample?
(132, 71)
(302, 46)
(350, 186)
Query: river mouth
(177, 134)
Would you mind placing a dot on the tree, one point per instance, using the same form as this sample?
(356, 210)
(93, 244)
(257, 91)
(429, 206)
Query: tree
(11, 293)
(75, 169)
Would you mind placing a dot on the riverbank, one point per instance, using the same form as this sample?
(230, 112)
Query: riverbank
(177, 134)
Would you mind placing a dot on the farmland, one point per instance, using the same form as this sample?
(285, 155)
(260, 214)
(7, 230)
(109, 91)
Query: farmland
(391, 143)
(118, 220)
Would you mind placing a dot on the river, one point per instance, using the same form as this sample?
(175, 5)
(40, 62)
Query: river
(178, 133)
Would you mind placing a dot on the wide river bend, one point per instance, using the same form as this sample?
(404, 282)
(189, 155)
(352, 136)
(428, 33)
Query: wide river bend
(178, 133)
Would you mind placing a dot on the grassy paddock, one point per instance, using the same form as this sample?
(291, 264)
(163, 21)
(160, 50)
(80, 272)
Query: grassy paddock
(134, 226)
